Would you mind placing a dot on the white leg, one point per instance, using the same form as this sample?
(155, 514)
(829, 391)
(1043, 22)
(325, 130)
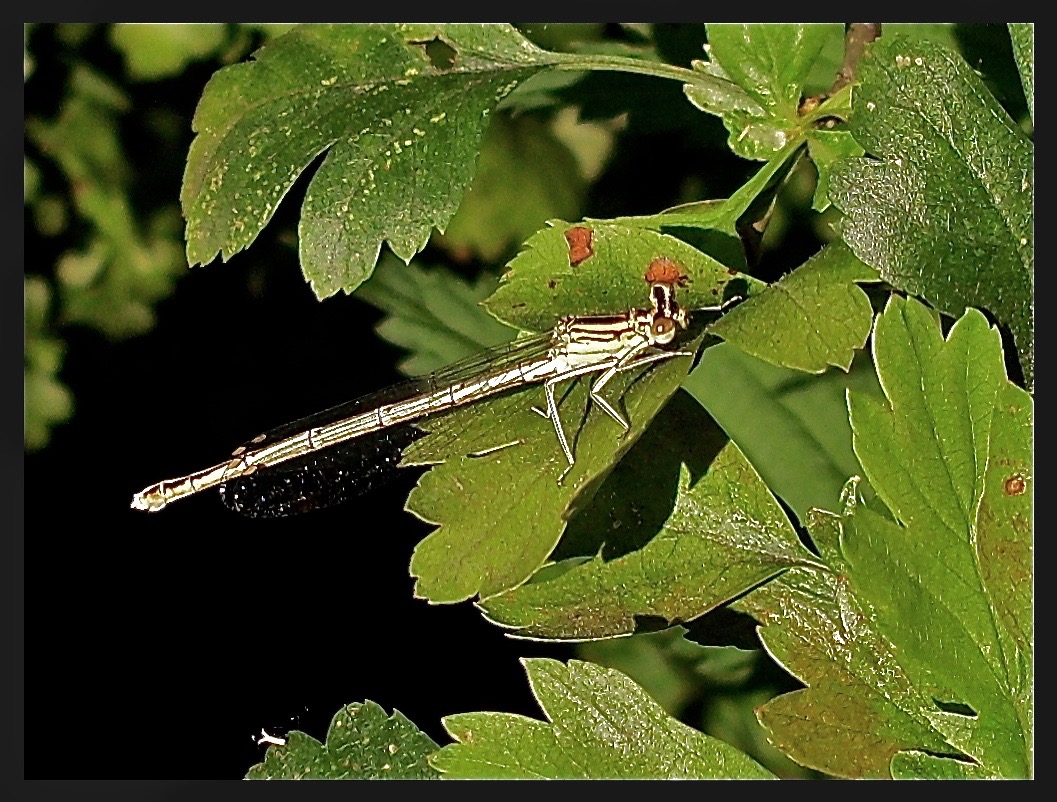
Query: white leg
(628, 364)
(552, 413)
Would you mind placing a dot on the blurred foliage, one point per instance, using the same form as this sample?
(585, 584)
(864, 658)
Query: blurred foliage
(94, 189)
(46, 400)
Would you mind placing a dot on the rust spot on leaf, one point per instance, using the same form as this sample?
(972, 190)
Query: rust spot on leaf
(663, 270)
(1015, 485)
(579, 239)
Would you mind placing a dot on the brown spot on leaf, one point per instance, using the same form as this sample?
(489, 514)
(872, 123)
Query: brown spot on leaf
(1015, 485)
(663, 270)
(552, 284)
(579, 239)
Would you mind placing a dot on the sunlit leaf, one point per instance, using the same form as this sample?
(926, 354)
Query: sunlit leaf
(362, 744)
(812, 318)
(760, 70)
(497, 497)
(600, 725)
(917, 638)
(545, 282)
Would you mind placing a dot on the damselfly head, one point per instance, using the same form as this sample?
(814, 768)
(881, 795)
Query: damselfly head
(668, 316)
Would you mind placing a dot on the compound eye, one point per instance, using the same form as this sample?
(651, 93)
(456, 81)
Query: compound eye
(663, 327)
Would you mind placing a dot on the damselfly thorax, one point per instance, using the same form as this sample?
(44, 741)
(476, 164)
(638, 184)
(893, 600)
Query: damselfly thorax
(319, 460)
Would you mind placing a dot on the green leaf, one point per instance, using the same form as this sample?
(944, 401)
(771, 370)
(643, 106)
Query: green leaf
(433, 313)
(525, 175)
(919, 631)
(793, 428)
(30, 181)
(160, 50)
(974, 644)
(543, 283)
(502, 451)
(600, 725)
(400, 121)
(760, 70)
(1022, 34)
(829, 61)
(362, 744)
(724, 535)
(812, 318)
(944, 208)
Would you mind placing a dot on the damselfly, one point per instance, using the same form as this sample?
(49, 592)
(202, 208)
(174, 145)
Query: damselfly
(319, 460)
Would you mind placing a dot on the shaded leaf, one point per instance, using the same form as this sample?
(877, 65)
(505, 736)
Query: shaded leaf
(47, 402)
(126, 265)
(653, 660)
(812, 318)
(723, 215)
(362, 744)
(944, 209)
(400, 124)
(828, 148)
(793, 428)
(600, 725)
(433, 313)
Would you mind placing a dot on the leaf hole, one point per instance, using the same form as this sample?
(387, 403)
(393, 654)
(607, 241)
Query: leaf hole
(441, 55)
(957, 708)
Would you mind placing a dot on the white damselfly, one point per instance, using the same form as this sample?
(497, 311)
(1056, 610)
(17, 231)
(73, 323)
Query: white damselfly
(312, 463)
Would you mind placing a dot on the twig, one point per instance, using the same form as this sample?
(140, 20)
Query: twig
(856, 36)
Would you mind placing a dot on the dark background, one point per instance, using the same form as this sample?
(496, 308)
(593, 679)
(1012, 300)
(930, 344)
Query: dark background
(194, 627)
